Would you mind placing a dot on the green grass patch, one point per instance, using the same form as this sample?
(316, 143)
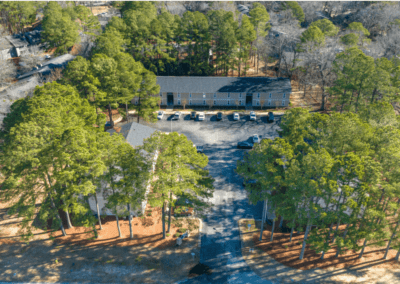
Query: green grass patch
(182, 230)
(167, 234)
(177, 235)
(148, 214)
(286, 246)
(109, 261)
(139, 259)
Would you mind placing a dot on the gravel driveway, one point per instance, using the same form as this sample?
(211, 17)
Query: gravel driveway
(220, 241)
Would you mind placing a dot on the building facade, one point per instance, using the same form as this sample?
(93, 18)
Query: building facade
(224, 91)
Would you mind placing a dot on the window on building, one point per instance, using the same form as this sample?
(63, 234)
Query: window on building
(190, 102)
(283, 103)
(215, 102)
(258, 95)
(284, 95)
(240, 95)
(228, 102)
(241, 102)
(269, 103)
(204, 102)
(215, 95)
(258, 103)
(190, 95)
(179, 102)
(270, 95)
(160, 94)
(136, 102)
(179, 95)
(229, 95)
(204, 95)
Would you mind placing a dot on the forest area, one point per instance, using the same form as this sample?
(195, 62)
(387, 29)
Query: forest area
(349, 50)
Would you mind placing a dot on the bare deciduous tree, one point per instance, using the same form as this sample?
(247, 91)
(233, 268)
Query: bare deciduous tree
(262, 102)
(184, 103)
(210, 103)
(54, 75)
(8, 73)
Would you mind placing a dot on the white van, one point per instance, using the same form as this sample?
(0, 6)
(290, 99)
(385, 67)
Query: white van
(201, 116)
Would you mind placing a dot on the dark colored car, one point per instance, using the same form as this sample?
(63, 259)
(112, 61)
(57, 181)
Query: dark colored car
(193, 115)
(219, 116)
(245, 145)
(200, 149)
(271, 117)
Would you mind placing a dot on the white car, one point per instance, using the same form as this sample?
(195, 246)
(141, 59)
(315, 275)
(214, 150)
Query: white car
(252, 115)
(201, 116)
(236, 116)
(256, 139)
(160, 114)
(177, 115)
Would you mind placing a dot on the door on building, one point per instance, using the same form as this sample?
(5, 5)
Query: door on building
(170, 99)
(249, 99)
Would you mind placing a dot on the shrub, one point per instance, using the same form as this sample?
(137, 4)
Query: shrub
(177, 235)
(168, 234)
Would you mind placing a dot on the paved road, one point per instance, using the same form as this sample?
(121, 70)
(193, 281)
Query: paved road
(220, 241)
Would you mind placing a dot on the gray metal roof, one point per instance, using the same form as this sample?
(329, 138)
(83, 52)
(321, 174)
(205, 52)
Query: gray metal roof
(223, 84)
(138, 133)
(17, 40)
(58, 62)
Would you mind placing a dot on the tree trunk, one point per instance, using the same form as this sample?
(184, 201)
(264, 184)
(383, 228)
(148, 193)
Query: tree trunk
(390, 241)
(263, 217)
(344, 237)
(68, 219)
(126, 110)
(384, 209)
(327, 240)
(110, 114)
(163, 219)
(57, 215)
(258, 61)
(291, 231)
(273, 228)
(373, 95)
(169, 213)
(98, 211)
(281, 222)
(119, 229)
(337, 227)
(130, 221)
(397, 255)
(303, 248)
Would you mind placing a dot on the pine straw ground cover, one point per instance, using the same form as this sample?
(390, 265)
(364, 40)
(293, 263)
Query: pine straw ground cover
(279, 260)
(78, 257)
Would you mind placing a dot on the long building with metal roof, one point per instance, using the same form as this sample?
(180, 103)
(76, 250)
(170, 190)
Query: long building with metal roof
(224, 91)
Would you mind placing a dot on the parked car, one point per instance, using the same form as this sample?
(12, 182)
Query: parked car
(193, 115)
(219, 116)
(177, 115)
(236, 116)
(256, 139)
(244, 145)
(201, 116)
(271, 117)
(252, 115)
(200, 149)
(160, 114)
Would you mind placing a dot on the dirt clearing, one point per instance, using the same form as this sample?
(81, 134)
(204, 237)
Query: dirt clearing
(109, 259)
(266, 258)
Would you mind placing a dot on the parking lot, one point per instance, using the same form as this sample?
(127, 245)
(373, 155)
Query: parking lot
(212, 132)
